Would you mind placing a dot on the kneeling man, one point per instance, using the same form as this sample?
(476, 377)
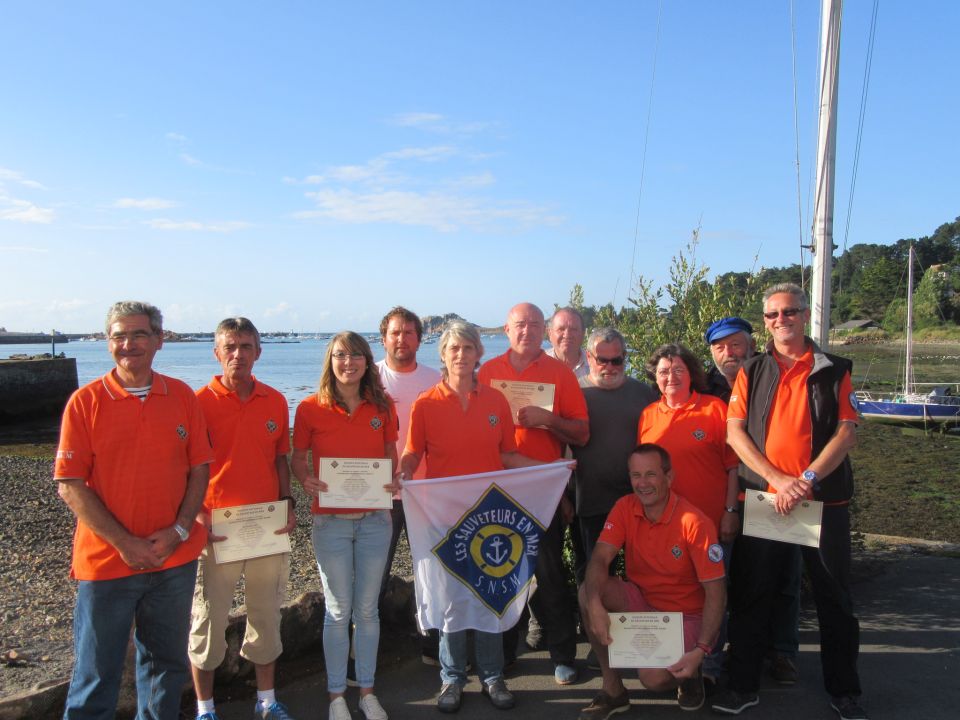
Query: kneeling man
(673, 563)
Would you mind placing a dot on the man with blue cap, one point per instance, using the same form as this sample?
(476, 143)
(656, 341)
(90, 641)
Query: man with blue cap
(731, 343)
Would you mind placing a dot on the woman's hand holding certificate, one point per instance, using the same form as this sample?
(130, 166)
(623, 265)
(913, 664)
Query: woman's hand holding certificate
(356, 483)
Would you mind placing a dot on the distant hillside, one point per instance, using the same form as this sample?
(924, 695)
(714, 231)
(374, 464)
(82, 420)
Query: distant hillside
(434, 324)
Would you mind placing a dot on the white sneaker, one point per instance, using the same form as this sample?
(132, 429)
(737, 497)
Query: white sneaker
(339, 710)
(371, 707)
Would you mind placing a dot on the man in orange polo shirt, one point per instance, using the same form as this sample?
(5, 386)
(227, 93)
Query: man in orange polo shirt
(542, 434)
(133, 466)
(673, 563)
(792, 420)
(250, 431)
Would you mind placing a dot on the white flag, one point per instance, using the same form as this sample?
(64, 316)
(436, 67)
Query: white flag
(474, 541)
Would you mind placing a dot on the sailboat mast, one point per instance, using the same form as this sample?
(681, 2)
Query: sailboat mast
(908, 379)
(822, 247)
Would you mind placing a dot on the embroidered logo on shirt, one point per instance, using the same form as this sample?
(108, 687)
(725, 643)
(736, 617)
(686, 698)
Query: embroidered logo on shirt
(494, 420)
(271, 426)
(182, 432)
(699, 434)
(608, 526)
(676, 552)
(376, 423)
(715, 553)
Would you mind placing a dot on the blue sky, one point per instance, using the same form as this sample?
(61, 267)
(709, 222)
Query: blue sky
(312, 164)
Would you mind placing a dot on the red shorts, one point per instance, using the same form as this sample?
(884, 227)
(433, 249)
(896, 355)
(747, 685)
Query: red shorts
(691, 623)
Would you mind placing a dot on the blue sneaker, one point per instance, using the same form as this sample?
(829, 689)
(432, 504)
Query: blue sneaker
(277, 711)
(565, 674)
(208, 716)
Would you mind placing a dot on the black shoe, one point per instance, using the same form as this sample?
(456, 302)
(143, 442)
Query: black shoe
(730, 702)
(848, 708)
(691, 693)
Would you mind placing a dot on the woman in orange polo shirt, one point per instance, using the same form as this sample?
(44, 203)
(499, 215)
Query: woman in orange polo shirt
(461, 427)
(350, 416)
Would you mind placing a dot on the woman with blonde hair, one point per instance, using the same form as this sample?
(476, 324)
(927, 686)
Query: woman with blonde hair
(349, 416)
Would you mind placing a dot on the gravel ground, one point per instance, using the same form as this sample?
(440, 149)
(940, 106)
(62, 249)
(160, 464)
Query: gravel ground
(36, 592)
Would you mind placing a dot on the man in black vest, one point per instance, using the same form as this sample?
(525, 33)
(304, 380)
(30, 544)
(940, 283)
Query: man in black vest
(792, 420)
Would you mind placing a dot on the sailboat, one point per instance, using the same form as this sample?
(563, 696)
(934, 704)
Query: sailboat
(912, 407)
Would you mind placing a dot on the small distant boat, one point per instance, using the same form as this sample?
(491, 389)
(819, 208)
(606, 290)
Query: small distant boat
(937, 409)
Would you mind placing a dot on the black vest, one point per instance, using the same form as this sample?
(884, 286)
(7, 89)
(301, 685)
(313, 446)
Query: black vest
(823, 388)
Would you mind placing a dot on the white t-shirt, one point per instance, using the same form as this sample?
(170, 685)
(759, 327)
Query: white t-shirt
(404, 388)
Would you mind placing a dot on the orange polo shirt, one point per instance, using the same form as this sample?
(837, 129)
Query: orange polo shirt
(695, 435)
(568, 401)
(135, 455)
(247, 437)
(667, 559)
(789, 428)
(454, 441)
(330, 431)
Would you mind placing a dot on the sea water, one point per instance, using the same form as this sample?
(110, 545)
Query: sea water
(293, 368)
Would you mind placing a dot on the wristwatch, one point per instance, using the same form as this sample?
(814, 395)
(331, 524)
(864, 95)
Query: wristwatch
(731, 509)
(181, 531)
(810, 476)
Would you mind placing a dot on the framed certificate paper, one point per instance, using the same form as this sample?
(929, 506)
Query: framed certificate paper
(250, 531)
(520, 394)
(356, 483)
(645, 639)
(761, 519)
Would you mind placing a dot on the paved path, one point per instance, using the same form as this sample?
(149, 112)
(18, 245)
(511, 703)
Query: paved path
(908, 604)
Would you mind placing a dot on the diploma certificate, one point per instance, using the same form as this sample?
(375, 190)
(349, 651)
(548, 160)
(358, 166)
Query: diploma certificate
(356, 483)
(520, 394)
(645, 639)
(249, 530)
(801, 526)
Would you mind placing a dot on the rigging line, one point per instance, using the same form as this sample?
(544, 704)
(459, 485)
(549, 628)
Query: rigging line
(796, 129)
(646, 137)
(863, 111)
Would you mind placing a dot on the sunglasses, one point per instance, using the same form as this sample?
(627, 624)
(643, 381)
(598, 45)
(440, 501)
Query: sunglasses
(618, 360)
(786, 312)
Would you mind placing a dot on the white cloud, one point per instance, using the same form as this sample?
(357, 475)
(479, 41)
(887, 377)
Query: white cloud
(443, 212)
(416, 119)
(190, 160)
(144, 203)
(281, 308)
(195, 226)
(23, 249)
(24, 211)
(176, 137)
(474, 181)
(17, 177)
(437, 123)
(428, 154)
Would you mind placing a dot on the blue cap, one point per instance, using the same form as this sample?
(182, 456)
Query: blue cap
(727, 326)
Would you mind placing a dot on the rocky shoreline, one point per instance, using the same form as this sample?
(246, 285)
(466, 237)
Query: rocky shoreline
(37, 594)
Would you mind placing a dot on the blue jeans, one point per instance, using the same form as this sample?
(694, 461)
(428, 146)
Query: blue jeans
(157, 604)
(488, 649)
(351, 555)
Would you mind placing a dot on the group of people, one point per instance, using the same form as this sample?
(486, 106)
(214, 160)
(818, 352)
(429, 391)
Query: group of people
(143, 461)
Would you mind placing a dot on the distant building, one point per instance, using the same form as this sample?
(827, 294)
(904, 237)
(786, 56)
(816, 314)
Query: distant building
(864, 324)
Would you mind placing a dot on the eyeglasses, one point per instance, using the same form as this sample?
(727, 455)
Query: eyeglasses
(134, 338)
(340, 355)
(615, 361)
(678, 371)
(786, 312)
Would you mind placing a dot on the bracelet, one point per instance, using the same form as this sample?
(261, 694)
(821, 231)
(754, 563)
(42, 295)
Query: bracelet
(706, 648)
(293, 503)
(732, 509)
